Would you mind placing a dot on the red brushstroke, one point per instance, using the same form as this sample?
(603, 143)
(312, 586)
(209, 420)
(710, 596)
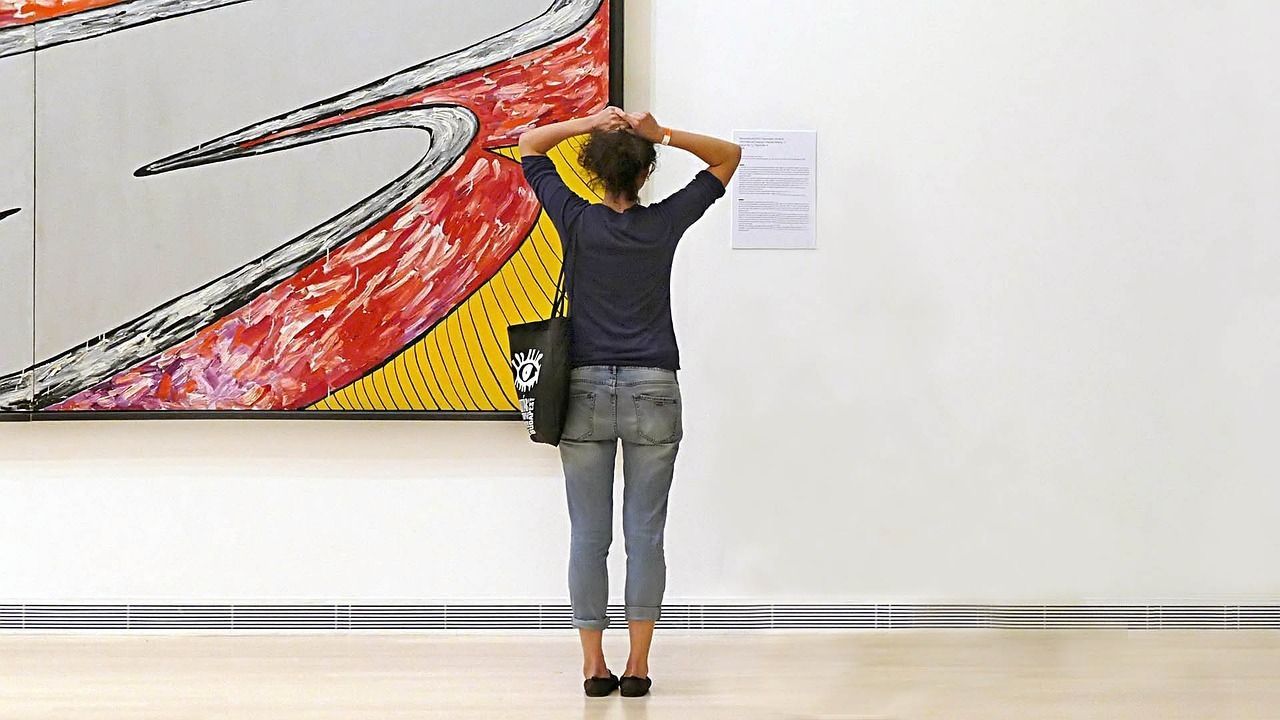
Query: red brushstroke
(338, 319)
(14, 13)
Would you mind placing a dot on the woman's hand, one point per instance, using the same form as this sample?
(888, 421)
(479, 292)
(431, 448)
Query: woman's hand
(610, 118)
(643, 124)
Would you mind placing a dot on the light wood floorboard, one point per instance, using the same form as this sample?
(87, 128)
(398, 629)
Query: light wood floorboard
(987, 675)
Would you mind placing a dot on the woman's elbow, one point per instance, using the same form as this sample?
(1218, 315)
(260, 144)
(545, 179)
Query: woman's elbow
(733, 156)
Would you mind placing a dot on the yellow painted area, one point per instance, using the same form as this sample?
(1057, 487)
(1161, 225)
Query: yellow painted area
(461, 364)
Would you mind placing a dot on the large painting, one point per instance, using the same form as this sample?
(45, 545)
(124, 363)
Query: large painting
(361, 257)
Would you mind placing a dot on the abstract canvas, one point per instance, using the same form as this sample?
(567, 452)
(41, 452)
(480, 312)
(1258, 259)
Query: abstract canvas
(281, 207)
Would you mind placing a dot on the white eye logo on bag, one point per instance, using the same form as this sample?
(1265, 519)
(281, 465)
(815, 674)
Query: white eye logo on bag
(527, 366)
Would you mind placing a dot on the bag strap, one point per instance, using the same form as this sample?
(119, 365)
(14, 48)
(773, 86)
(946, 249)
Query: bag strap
(562, 289)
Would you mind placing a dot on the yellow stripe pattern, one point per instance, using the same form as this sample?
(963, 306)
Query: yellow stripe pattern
(462, 364)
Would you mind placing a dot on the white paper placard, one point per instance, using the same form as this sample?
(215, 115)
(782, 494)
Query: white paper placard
(775, 190)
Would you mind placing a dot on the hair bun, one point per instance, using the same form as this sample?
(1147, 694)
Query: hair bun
(619, 161)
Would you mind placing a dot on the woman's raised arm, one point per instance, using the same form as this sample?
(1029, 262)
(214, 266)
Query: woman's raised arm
(721, 156)
(539, 141)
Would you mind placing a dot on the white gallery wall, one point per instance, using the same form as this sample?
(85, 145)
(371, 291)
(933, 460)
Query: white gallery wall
(1036, 357)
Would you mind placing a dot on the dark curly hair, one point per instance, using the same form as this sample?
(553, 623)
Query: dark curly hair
(618, 159)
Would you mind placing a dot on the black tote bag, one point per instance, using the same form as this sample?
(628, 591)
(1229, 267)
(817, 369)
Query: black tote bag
(540, 363)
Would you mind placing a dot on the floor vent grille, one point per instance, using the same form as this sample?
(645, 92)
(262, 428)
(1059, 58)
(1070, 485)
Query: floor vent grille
(318, 617)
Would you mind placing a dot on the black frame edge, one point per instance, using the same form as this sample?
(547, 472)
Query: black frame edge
(617, 57)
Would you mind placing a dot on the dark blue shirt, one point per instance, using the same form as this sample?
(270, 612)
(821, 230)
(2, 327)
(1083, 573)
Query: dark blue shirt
(620, 284)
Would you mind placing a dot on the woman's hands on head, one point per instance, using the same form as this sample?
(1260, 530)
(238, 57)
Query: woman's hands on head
(722, 157)
(540, 140)
(638, 123)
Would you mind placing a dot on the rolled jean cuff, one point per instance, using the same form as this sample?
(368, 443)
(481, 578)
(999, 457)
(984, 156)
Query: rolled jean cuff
(644, 612)
(591, 624)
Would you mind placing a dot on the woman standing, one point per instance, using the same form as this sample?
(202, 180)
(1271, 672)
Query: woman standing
(624, 359)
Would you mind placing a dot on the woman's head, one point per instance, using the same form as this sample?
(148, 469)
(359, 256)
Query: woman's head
(620, 161)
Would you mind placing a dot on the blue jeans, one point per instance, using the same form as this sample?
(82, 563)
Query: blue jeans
(641, 407)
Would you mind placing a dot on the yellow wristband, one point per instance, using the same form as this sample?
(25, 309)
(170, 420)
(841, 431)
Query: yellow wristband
(666, 136)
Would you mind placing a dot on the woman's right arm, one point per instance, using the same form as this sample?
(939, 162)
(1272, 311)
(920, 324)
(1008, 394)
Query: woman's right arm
(721, 156)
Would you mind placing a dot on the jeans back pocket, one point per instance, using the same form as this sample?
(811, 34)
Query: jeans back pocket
(579, 421)
(658, 417)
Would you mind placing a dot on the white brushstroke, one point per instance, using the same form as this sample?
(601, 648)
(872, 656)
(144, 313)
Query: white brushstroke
(452, 130)
(561, 20)
(98, 21)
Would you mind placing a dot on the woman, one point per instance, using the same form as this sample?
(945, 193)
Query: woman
(624, 360)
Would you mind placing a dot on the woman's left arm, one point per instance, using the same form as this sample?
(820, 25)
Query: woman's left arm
(539, 141)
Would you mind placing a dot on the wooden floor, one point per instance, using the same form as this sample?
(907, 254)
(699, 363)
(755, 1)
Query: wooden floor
(1029, 675)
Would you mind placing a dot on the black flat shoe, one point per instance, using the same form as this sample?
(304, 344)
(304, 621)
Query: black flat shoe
(634, 686)
(600, 686)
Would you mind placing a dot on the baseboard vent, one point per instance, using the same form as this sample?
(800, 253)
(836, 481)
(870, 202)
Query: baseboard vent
(346, 618)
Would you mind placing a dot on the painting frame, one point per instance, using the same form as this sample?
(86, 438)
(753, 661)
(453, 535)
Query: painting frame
(616, 49)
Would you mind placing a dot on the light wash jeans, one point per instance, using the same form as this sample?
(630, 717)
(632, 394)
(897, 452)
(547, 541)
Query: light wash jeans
(641, 407)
